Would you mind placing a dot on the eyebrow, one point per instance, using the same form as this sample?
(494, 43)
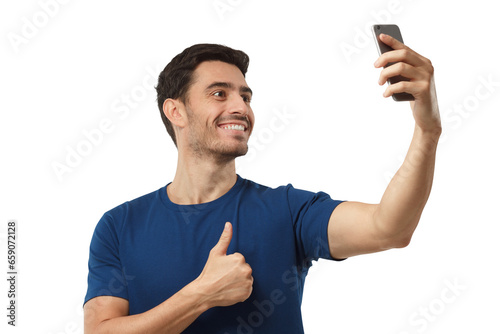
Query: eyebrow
(243, 89)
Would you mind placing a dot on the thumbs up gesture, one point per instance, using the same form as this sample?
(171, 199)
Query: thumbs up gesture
(225, 279)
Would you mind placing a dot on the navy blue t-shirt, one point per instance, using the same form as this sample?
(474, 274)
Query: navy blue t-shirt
(148, 249)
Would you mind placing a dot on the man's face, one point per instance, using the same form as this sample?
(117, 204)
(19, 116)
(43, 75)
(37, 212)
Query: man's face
(220, 119)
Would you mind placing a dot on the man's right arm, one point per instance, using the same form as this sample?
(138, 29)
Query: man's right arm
(225, 280)
(107, 314)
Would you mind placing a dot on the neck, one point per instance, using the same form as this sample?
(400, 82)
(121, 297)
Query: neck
(200, 180)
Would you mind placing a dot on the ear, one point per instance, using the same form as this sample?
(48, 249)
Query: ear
(175, 112)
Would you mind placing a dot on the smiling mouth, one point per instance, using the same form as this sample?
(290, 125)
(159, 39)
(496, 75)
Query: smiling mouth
(236, 127)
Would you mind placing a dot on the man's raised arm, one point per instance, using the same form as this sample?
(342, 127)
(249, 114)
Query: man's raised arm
(358, 228)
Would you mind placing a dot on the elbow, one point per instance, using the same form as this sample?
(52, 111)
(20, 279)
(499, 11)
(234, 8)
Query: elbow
(397, 237)
(395, 234)
(396, 240)
(400, 241)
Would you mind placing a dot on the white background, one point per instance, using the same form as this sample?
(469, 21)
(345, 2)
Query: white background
(67, 67)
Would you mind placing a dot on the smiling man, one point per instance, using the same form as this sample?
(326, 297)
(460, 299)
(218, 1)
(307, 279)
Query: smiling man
(212, 252)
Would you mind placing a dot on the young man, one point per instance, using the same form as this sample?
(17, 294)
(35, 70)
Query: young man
(212, 252)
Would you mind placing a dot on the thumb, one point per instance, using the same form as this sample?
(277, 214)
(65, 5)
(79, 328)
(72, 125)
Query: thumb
(225, 239)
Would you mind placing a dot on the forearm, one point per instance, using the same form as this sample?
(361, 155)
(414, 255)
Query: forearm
(172, 316)
(224, 281)
(402, 204)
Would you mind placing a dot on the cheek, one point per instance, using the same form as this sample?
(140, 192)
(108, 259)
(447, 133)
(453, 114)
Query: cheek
(251, 117)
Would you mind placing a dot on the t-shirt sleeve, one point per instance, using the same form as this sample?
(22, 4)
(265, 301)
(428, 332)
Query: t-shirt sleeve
(311, 213)
(106, 277)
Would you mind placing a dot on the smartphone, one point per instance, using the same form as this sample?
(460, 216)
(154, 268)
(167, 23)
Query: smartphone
(391, 30)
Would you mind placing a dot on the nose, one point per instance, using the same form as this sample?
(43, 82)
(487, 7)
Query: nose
(238, 106)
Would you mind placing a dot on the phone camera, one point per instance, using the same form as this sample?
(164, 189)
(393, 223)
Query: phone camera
(378, 27)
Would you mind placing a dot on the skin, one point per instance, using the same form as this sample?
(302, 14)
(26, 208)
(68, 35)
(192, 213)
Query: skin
(206, 170)
(360, 228)
(206, 152)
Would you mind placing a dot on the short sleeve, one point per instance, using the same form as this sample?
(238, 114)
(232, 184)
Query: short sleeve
(106, 277)
(311, 213)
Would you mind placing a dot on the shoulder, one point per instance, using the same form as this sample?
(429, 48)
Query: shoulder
(138, 203)
(288, 196)
(115, 218)
(256, 188)
(287, 191)
(296, 200)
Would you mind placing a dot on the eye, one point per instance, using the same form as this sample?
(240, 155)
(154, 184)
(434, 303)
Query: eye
(219, 93)
(246, 98)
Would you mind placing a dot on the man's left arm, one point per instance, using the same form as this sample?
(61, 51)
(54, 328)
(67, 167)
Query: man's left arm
(358, 228)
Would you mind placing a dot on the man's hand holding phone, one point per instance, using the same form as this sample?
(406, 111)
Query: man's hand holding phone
(420, 74)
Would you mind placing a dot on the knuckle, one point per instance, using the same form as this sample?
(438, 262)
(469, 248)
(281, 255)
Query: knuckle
(239, 257)
(431, 68)
(426, 86)
(248, 270)
(244, 271)
(249, 291)
(404, 84)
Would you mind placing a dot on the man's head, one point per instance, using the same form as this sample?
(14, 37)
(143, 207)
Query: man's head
(219, 70)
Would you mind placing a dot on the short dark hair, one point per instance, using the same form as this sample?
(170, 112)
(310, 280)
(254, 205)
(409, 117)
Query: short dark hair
(176, 78)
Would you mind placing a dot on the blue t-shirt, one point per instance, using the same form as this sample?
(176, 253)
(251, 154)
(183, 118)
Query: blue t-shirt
(148, 249)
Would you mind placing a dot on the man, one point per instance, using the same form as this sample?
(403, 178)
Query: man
(214, 253)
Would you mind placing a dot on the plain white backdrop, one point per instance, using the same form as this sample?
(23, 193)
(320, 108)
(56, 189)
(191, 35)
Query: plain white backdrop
(71, 67)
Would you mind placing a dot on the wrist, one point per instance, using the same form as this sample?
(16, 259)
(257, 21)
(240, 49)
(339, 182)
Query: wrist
(432, 132)
(200, 296)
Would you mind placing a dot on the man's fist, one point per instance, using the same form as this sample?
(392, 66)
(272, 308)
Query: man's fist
(225, 279)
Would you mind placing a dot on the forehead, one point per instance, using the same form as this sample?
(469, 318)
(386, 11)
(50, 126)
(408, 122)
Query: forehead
(210, 71)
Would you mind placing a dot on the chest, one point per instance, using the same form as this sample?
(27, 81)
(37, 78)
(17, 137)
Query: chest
(165, 253)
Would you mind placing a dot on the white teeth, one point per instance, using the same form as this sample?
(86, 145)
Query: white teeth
(234, 127)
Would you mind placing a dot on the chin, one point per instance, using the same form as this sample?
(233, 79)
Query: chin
(220, 149)
(225, 154)
(236, 152)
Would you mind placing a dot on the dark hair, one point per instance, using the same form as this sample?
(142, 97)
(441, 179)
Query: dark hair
(176, 78)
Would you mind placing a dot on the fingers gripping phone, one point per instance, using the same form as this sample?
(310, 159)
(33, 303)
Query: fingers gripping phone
(391, 30)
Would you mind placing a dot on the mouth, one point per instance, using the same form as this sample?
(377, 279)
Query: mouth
(233, 127)
(237, 127)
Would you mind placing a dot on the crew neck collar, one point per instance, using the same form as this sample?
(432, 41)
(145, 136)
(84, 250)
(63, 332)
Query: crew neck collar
(202, 206)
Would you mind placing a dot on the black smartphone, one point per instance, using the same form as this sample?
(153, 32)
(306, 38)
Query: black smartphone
(391, 30)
